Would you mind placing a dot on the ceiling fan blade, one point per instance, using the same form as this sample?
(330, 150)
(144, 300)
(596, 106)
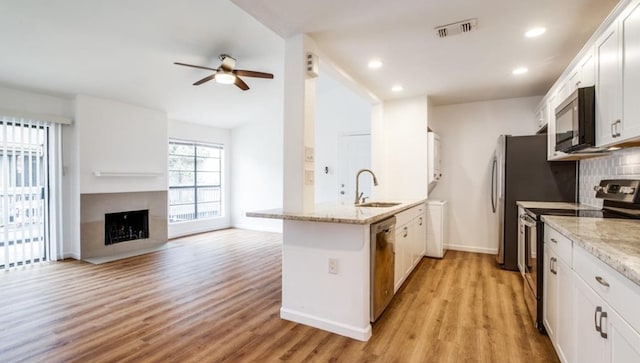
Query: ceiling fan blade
(191, 65)
(240, 83)
(205, 79)
(245, 73)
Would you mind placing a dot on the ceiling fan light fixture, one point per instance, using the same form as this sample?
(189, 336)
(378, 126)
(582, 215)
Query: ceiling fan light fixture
(225, 77)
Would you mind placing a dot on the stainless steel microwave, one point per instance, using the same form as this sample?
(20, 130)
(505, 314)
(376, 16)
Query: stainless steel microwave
(576, 121)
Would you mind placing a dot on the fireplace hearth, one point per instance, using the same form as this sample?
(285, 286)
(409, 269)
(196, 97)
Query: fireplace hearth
(126, 226)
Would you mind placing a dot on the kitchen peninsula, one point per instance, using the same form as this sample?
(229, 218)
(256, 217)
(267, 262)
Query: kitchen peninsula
(326, 270)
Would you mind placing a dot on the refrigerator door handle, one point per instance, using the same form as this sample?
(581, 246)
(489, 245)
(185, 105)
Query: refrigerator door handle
(494, 180)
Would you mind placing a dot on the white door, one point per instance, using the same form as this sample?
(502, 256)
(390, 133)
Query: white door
(354, 153)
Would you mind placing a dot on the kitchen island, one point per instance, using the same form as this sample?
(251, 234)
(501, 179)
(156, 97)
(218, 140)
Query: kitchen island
(326, 263)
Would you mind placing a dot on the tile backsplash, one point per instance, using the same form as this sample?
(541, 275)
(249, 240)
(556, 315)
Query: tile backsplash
(621, 164)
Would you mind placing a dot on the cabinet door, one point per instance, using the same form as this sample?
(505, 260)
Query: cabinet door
(588, 70)
(400, 247)
(437, 158)
(421, 236)
(591, 346)
(630, 25)
(624, 341)
(521, 240)
(608, 86)
(550, 293)
(565, 332)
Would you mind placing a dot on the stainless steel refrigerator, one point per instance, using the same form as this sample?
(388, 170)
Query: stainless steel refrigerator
(520, 171)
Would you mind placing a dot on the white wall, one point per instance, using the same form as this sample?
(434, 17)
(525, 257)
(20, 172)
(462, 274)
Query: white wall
(257, 171)
(118, 137)
(399, 138)
(206, 134)
(468, 134)
(339, 112)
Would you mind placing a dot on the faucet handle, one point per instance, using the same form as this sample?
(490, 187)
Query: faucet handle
(364, 199)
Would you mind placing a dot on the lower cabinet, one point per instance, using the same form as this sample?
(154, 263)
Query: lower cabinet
(582, 322)
(557, 307)
(601, 333)
(410, 242)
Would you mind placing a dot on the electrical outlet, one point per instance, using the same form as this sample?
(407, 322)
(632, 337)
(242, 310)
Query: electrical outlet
(308, 154)
(333, 266)
(308, 177)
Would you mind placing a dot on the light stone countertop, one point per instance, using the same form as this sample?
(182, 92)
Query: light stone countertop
(338, 212)
(616, 242)
(554, 205)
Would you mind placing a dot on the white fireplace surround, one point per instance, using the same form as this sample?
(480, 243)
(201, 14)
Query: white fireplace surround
(93, 208)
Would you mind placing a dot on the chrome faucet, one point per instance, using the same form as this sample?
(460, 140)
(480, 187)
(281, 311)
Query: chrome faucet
(358, 194)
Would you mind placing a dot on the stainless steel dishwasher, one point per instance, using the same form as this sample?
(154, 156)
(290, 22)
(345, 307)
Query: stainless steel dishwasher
(382, 265)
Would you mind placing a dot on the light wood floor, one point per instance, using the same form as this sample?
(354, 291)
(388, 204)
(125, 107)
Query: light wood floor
(217, 298)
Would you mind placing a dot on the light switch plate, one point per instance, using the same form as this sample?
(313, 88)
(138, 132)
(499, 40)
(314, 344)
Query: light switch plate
(308, 177)
(308, 154)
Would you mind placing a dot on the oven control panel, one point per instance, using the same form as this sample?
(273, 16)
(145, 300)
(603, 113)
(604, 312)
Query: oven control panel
(619, 190)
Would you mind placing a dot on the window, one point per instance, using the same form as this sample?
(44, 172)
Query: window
(195, 181)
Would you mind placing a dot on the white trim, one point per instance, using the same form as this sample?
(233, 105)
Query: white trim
(251, 227)
(485, 250)
(36, 116)
(362, 334)
(74, 255)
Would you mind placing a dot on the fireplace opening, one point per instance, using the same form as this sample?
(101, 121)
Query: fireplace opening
(126, 226)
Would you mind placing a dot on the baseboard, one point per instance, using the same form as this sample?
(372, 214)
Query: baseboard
(485, 250)
(73, 255)
(251, 227)
(362, 334)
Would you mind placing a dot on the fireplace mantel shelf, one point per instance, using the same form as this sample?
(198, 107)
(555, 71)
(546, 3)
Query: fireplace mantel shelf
(127, 174)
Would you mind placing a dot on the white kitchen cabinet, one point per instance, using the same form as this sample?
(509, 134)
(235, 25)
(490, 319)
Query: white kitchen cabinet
(434, 158)
(550, 293)
(410, 241)
(587, 70)
(630, 31)
(436, 228)
(557, 296)
(608, 86)
(602, 335)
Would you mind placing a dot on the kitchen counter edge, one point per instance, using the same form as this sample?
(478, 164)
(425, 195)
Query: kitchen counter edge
(604, 239)
(338, 213)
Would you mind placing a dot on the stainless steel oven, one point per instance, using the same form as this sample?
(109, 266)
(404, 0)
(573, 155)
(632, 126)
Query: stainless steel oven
(529, 256)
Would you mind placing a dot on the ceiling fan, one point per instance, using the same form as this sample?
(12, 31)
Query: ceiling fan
(227, 74)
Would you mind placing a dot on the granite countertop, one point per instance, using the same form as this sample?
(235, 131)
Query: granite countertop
(338, 212)
(554, 205)
(616, 242)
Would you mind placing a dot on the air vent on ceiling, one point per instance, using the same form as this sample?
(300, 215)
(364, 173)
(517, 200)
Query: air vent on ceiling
(463, 26)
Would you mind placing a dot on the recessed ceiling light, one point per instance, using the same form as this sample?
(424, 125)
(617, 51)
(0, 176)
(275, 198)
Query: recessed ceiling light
(375, 64)
(397, 88)
(535, 32)
(520, 70)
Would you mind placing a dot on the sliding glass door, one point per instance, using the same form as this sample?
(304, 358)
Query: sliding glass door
(24, 195)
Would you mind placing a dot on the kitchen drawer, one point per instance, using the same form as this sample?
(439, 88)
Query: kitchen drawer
(622, 294)
(560, 244)
(407, 215)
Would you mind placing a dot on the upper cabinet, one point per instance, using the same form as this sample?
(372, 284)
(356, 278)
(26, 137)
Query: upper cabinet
(618, 72)
(608, 86)
(611, 62)
(630, 28)
(434, 158)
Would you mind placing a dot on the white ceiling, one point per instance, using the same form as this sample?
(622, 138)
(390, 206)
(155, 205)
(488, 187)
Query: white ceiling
(463, 68)
(124, 50)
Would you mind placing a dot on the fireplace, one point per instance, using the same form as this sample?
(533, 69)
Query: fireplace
(126, 226)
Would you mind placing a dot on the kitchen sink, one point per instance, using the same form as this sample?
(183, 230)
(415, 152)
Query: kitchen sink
(378, 204)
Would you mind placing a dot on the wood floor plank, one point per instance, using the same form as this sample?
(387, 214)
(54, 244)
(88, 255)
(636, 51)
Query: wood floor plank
(216, 298)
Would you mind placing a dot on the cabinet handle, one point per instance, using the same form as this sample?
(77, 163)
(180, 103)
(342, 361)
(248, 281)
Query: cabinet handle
(552, 264)
(602, 281)
(618, 122)
(596, 319)
(603, 333)
(406, 231)
(554, 240)
(613, 133)
(420, 220)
